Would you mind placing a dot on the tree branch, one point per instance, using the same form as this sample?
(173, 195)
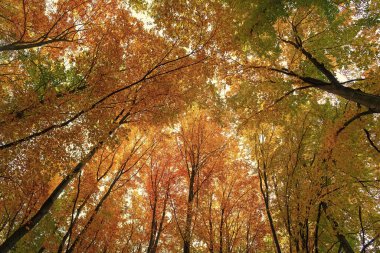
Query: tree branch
(370, 141)
(355, 117)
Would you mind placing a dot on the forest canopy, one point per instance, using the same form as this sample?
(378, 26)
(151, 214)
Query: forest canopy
(190, 126)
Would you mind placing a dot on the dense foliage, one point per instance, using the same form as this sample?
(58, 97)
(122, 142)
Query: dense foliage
(194, 126)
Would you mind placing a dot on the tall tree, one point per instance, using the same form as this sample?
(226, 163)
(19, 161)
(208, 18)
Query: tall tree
(116, 95)
(315, 44)
(194, 126)
(200, 150)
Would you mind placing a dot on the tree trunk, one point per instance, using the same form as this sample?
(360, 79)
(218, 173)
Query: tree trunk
(11, 241)
(211, 246)
(95, 212)
(370, 101)
(341, 238)
(27, 45)
(316, 233)
(153, 228)
(189, 214)
(265, 194)
(221, 231)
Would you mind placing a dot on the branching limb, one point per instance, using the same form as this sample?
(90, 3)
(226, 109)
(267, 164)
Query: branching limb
(355, 117)
(370, 141)
(369, 243)
(277, 101)
(148, 75)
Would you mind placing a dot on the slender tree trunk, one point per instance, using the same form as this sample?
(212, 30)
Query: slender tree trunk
(99, 205)
(96, 210)
(11, 241)
(211, 246)
(342, 239)
(153, 227)
(247, 236)
(119, 174)
(72, 218)
(288, 220)
(272, 228)
(156, 232)
(186, 246)
(221, 230)
(189, 214)
(160, 228)
(306, 240)
(265, 194)
(316, 233)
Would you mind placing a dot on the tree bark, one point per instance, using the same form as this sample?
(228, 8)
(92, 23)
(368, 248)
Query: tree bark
(211, 246)
(221, 230)
(316, 233)
(28, 45)
(189, 213)
(371, 101)
(153, 227)
(11, 241)
(265, 194)
(341, 238)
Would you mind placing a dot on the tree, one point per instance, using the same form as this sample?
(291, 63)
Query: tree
(114, 99)
(30, 24)
(159, 180)
(301, 171)
(316, 42)
(200, 154)
(194, 126)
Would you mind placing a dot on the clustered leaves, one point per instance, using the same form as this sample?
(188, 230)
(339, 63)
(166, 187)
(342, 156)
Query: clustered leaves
(194, 126)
